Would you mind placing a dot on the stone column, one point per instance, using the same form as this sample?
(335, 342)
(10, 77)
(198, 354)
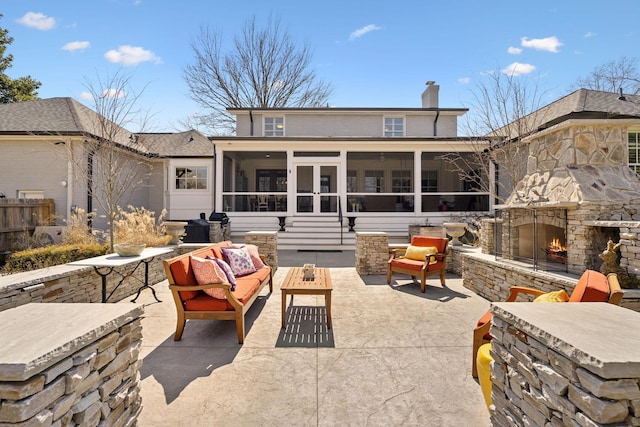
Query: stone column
(487, 236)
(267, 243)
(372, 252)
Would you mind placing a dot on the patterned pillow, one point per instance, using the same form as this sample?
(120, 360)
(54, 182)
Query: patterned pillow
(227, 271)
(255, 255)
(207, 271)
(239, 260)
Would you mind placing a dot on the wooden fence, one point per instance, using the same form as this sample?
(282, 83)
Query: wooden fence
(19, 218)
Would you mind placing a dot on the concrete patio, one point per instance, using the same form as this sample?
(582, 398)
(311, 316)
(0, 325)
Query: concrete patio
(394, 356)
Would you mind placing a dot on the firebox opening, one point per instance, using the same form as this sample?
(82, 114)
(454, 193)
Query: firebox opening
(550, 244)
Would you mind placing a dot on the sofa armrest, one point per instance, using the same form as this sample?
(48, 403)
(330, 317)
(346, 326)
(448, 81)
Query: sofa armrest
(225, 286)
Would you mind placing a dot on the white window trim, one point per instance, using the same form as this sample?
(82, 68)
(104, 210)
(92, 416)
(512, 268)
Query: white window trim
(404, 126)
(264, 127)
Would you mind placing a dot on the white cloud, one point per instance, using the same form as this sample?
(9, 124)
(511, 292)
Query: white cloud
(38, 21)
(113, 93)
(76, 45)
(131, 55)
(364, 30)
(514, 50)
(589, 34)
(550, 44)
(464, 80)
(86, 95)
(518, 69)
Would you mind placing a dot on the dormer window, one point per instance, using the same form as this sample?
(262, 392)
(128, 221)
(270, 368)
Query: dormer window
(274, 126)
(394, 126)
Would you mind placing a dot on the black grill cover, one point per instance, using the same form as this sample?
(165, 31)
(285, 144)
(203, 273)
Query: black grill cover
(197, 231)
(219, 216)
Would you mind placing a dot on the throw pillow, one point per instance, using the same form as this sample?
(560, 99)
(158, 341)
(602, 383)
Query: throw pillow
(231, 278)
(556, 296)
(239, 260)
(255, 255)
(419, 253)
(206, 272)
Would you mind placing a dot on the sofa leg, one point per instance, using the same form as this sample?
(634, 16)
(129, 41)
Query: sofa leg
(240, 328)
(388, 275)
(179, 327)
(442, 274)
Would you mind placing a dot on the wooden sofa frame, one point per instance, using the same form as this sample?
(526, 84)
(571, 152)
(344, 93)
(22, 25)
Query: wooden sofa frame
(237, 314)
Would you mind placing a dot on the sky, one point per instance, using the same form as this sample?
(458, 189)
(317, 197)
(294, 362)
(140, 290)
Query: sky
(373, 53)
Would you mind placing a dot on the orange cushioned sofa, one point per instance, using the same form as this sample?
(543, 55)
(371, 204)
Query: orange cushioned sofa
(193, 303)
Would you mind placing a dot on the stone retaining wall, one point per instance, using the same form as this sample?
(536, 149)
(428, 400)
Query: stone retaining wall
(70, 364)
(550, 372)
(64, 283)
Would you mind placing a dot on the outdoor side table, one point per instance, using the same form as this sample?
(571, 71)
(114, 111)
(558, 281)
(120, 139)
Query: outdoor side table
(104, 265)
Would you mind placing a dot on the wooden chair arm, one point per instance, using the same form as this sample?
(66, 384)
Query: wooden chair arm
(181, 288)
(514, 291)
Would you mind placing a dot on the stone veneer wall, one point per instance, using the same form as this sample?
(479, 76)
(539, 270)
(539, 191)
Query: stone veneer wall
(267, 243)
(70, 364)
(372, 252)
(491, 279)
(551, 372)
(219, 232)
(64, 283)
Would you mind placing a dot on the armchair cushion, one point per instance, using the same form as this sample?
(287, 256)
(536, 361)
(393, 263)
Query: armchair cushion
(556, 296)
(419, 253)
(592, 287)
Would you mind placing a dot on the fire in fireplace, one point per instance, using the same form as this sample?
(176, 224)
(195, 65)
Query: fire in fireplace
(556, 251)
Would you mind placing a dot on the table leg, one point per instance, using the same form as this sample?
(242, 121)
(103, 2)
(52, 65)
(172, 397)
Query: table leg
(103, 276)
(284, 308)
(146, 282)
(327, 303)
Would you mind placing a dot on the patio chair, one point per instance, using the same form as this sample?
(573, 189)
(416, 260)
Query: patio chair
(263, 202)
(592, 286)
(425, 256)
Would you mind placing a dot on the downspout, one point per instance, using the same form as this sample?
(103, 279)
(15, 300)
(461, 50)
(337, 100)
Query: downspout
(215, 179)
(251, 119)
(435, 123)
(90, 186)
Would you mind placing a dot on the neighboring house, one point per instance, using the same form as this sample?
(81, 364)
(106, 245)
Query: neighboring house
(309, 166)
(44, 153)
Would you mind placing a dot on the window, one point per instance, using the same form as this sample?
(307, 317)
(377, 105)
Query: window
(191, 178)
(634, 150)
(393, 126)
(374, 181)
(429, 181)
(30, 194)
(401, 181)
(271, 180)
(352, 181)
(274, 126)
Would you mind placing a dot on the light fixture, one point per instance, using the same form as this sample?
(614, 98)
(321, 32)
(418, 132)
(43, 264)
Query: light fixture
(59, 143)
(134, 138)
(64, 183)
(381, 159)
(268, 155)
(190, 139)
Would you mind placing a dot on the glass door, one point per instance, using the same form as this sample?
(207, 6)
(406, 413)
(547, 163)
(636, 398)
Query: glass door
(316, 188)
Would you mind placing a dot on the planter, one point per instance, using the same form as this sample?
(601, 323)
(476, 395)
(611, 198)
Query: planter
(176, 229)
(455, 230)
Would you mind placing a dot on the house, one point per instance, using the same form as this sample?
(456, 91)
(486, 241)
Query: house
(305, 168)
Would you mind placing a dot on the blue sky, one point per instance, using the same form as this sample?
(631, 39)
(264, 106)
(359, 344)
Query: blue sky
(375, 54)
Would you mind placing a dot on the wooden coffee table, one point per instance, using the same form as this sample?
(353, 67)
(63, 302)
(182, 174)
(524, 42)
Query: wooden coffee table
(294, 283)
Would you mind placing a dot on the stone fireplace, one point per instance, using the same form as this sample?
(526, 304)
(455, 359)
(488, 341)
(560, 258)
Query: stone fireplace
(577, 184)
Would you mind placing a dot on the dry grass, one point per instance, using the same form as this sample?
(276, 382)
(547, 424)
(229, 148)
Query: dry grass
(139, 225)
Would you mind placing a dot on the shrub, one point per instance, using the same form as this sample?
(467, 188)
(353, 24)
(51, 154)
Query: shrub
(48, 256)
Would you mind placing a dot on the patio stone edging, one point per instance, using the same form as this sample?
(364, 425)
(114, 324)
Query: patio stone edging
(83, 371)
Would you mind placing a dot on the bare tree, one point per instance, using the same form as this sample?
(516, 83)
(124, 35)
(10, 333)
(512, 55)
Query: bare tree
(265, 68)
(615, 75)
(504, 109)
(113, 162)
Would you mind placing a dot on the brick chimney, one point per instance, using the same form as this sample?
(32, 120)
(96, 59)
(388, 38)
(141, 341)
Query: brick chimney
(430, 95)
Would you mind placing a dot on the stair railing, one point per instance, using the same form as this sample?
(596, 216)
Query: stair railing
(340, 218)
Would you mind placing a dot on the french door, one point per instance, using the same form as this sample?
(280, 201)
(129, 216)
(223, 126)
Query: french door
(316, 187)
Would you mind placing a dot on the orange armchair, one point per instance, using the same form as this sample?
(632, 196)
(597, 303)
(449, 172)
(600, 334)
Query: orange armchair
(425, 256)
(592, 286)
